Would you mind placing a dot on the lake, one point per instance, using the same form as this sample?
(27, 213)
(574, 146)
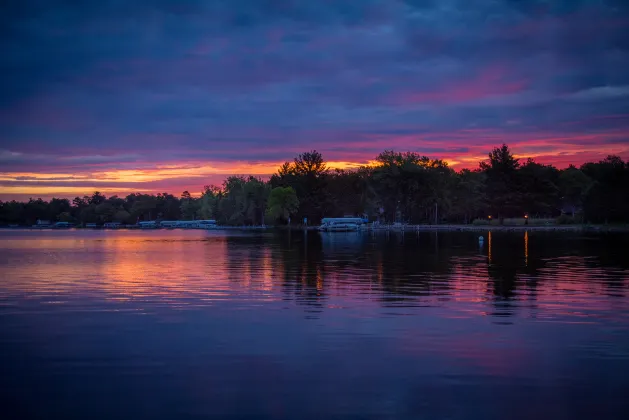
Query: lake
(302, 325)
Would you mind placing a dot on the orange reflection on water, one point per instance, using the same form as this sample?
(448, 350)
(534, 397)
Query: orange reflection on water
(128, 265)
(266, 273)
(184, 268)
(319, 278)
(526, 247)
(166, 269)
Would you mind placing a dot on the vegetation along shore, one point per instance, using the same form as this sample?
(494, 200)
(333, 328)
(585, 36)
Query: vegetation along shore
(400, 190)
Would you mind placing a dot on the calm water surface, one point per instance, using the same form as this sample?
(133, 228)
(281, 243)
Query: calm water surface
(191, 324)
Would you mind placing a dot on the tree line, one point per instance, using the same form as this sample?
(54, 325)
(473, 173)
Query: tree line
(401, 187)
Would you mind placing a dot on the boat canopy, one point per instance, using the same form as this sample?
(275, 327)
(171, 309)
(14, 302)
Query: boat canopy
(335, 220)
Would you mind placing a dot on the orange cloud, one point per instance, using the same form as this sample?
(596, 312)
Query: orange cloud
(125, 181)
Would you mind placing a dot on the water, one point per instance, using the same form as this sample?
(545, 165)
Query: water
(191, 324)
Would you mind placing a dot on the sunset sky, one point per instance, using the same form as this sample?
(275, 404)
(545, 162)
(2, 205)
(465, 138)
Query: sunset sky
(151, 96)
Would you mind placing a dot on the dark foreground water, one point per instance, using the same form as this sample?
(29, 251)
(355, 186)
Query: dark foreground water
(177, 325)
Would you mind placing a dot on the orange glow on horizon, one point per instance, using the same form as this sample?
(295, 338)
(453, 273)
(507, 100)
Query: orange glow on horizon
(64, 190)
(105, 181)
(173, 177)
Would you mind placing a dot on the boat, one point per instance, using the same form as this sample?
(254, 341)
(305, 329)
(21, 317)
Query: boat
(148, 225)
(341, 224)
(190, 224)
(206, 224)
(168, 224)
(42, 224)
(186, 224)
(341, 227)
(63, 225)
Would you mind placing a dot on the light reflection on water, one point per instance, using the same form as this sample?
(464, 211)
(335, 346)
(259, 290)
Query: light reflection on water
(175, 324)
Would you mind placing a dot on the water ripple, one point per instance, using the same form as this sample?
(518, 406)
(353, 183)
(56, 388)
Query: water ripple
(386, 322)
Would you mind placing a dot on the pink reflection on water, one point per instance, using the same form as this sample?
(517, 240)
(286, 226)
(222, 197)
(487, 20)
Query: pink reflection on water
(191, 269)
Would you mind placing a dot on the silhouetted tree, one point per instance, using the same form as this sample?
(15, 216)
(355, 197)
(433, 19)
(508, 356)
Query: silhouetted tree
(404, 186)
(573, 185)
(469, 199)
(501, 182)
(282, 203)
(539, 194)
(607, 198)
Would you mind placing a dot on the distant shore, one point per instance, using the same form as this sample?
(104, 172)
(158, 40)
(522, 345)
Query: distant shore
(393, 228)
(484, 228)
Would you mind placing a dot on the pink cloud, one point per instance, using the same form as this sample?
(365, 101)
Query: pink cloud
(492, 81)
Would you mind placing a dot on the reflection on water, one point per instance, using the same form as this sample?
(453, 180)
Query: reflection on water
(170, 324)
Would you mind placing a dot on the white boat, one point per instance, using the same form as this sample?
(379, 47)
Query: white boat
(341, 224)
(148, 225)
(341, 227)
(186, 224)
(191, 224)
(62, 225)
(169, 224)
(206, 224)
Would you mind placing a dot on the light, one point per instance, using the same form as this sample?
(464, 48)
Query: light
(526, 216)
(489, 217)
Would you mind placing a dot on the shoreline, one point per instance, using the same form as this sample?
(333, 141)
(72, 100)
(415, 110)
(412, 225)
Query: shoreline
(383, 228)
(484, 228)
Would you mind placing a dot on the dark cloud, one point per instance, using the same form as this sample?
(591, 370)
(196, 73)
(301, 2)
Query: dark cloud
(161, 81)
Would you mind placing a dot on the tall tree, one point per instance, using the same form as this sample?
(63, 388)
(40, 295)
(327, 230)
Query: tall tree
(256, 195)
(502, 186)
(469, 195)
(210, 202)
(573, 185)
(57, 206)
(347, 190)
(97, 198)
(539, 193)
(607, 198)
(282, 203)
(233, 205)
(168, 207)
(143, 207)
(307, 175)
(189, 206)
(412, 187)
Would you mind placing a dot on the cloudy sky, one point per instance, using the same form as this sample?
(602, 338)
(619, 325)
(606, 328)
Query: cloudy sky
(163, 95)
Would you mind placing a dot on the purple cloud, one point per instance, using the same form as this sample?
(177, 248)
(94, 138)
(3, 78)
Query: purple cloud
(120, 86)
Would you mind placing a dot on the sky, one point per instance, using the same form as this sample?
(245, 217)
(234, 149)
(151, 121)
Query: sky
(167, 96)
